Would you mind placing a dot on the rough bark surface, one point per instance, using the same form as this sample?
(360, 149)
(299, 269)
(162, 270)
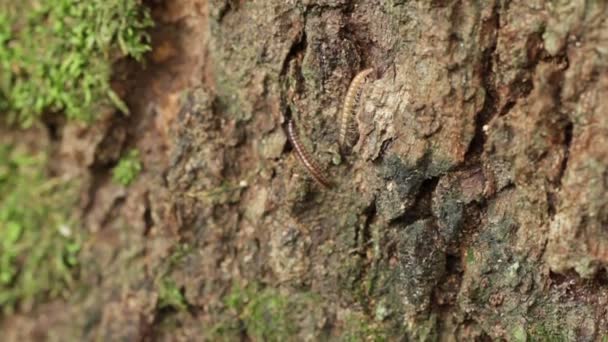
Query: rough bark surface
(472, 205)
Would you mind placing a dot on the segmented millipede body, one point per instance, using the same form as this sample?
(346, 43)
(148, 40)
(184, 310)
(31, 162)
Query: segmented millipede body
(305, 158)
(350, 101)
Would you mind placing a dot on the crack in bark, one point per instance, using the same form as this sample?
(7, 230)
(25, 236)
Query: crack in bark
(364, 239)
(422, 207)
(567, 145)
(489, 109)
(298, 48)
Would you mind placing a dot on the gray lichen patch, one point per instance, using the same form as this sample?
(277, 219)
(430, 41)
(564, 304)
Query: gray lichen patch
(401, 185)
(420, 265)
(450, 198)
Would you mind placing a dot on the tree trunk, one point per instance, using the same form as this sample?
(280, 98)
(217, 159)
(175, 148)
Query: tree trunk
(467, 203)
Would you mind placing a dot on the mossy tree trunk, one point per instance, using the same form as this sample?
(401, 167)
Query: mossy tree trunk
(472, 204)
(477, 183)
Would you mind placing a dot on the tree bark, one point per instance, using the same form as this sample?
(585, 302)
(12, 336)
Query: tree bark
(478, 178)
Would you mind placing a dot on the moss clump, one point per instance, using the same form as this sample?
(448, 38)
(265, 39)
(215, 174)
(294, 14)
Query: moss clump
(518, 334)
(39, 242)
(127, 169)
(470, 256)
(359, 328)
(264, 313)
(170, 296)
(56, 55)
(547, 332)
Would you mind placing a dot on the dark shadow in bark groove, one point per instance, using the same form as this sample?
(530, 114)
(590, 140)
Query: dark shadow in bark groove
(489, 109)
(421, 207)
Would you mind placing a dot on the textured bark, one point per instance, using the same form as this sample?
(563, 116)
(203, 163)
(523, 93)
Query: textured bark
(472, 206)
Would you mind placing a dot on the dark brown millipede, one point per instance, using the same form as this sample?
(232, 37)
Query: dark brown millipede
(311, 166)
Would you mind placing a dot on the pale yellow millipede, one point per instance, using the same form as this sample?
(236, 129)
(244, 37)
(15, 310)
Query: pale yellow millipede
(350, 102)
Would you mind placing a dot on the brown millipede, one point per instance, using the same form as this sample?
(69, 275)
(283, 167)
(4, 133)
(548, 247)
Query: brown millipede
(309, 163)
(350, 101)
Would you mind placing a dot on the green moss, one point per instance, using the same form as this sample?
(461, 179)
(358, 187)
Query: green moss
(264, 313)
(127, 169)
(519, 334)
(56, 55)
(470, 256)
(179, 254)
(266, 317)
(358, 328)
(170, 296)
(544, 332)
(39, 243)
